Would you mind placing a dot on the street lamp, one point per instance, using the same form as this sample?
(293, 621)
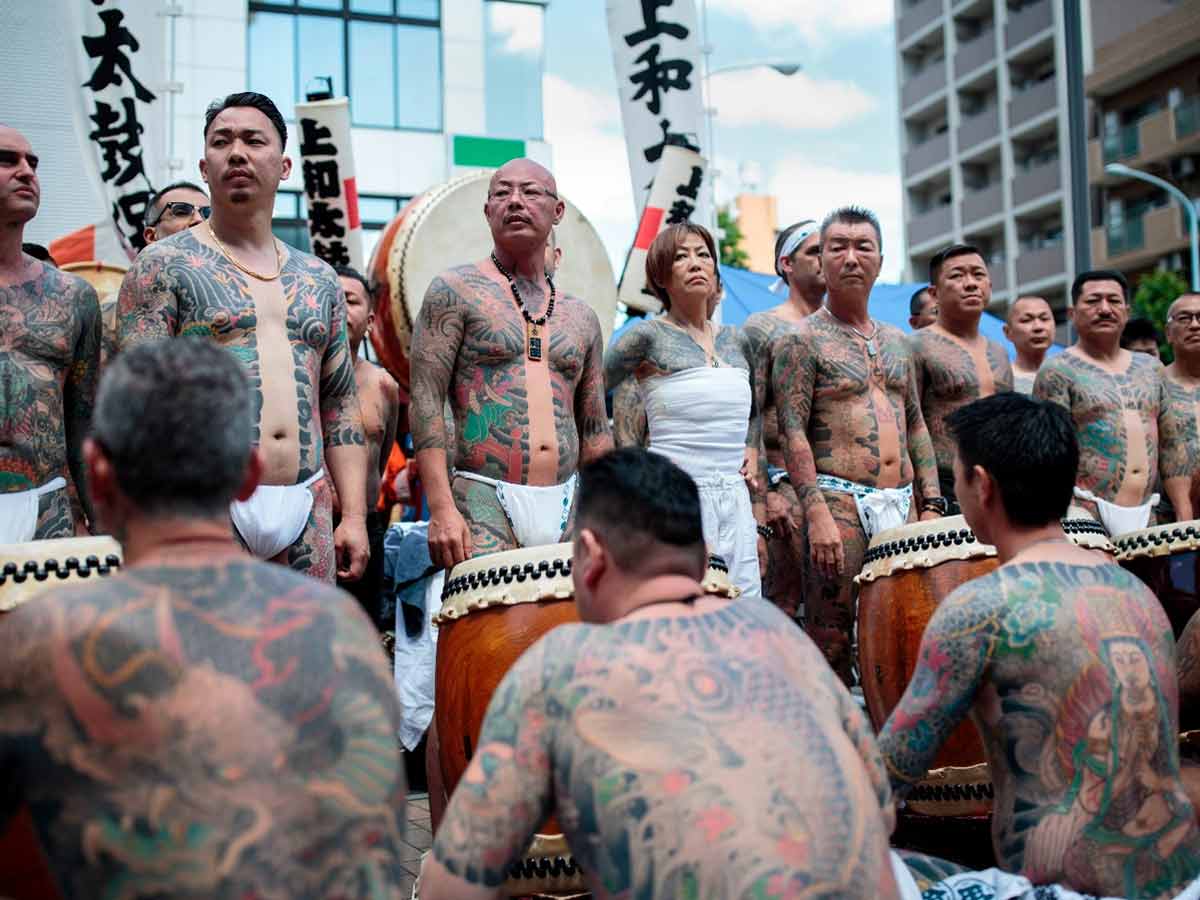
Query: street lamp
(1183, 199)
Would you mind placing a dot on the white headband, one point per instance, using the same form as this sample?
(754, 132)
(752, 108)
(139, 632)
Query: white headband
(796, 238)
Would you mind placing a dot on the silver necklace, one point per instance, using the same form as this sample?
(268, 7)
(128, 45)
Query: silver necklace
(870, 339)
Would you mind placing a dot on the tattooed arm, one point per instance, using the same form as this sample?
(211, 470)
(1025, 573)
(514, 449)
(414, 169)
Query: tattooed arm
(920, 444)
(595, 438)
(630, 428)
(950, 665)
(504, 795)
(79, 399)
(147, 308)
(626, 356)
(1176, 446)
(1051, 385)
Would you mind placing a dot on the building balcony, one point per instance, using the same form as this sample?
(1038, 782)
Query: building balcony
(928, 154)
(925, 83)
(1154, 138)
(1027, 22)
(1187, 118)
(1029, 104)
(982, 203)
(976, 53)
(926, 226)
(1045, 262)
(1036, 182)
(978, 128)
(998, 275)
(1137, 242)
(916, 17)
(1125, 143)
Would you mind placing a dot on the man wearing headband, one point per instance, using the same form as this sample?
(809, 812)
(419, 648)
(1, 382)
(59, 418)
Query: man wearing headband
(798, 264)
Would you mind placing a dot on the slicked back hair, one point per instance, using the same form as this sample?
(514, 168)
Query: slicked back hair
(853, 215)
(351, 272)
(153, 207)
(1099, 275)
(660, 258)
(175, 418)
(634, 499)
(1028, 447)
(261, 102)
(946, 253)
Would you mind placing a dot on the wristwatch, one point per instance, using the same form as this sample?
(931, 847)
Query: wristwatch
(939, 505)
(765, 531)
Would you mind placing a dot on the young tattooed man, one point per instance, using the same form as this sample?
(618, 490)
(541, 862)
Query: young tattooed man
(955, 364)
(798, 264)
(1183, 399)
(521, 366)
(379, 400)
(1030, 329)
(857, 450)
(1065, 663)
(689, 746)
(282, 313)
(1118, 401)
(49, 367)
(201, 724)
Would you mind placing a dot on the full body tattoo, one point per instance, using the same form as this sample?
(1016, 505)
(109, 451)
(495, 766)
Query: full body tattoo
(1179, 441)
(469, 345)
(1068, 671)
(845, 413)
(712, 755)
(289, 333)
(221, 730)
(630, 428)
(49, 369)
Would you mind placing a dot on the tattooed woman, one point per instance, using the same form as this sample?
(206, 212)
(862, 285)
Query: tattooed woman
(701, 407)
(1065, 663)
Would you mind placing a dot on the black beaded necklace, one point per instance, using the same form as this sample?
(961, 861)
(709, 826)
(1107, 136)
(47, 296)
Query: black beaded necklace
(533, 327)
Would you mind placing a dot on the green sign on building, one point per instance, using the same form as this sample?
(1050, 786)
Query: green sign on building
(485, 153)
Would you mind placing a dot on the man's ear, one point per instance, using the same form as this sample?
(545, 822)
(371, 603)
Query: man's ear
(592, 556)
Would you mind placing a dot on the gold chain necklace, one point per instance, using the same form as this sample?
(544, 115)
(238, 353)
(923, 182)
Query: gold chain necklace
(233, 259)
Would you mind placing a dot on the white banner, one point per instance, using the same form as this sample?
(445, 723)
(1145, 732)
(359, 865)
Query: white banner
(122, 119)
(677, 189)
(656, 52)
(327, 160)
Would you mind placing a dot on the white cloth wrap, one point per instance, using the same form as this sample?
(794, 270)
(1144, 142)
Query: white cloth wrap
(698, 419)
(537, 513)
(275, 516)
(1117, 519)
(879, 509)
(19, 511)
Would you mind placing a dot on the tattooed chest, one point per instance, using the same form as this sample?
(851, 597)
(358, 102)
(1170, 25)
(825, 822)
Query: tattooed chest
(36, 340)
(505, 345)
(1102, 400)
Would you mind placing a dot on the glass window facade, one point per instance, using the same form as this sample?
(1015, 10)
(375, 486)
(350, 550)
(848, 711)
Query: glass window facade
(514, 48)
(290, 219)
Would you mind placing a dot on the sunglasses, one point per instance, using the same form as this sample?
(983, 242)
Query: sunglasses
(181, 210)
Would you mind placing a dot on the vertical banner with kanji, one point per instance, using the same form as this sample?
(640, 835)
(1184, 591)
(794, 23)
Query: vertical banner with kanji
(123, 118)
(673, 197)
(327, 164)
(656, 52)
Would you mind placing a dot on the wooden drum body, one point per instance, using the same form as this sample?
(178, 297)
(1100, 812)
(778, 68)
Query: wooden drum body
(106, 280)
(1167, 559)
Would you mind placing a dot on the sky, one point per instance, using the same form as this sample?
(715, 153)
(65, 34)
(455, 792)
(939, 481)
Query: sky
(819, 139)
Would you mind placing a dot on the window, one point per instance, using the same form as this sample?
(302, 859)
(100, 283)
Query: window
(512, 68)
(385, 55)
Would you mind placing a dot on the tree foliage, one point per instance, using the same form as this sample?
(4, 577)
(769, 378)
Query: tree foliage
(1155, 293)
(732, 253)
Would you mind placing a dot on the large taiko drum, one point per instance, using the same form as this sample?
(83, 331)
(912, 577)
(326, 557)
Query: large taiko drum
(1167, 559)
(494, 608)
(106, 279)
(444, 227)
(25, 571)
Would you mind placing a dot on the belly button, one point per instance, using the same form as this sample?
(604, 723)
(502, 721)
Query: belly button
(280, 435)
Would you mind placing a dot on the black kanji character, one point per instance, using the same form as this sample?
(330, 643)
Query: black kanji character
(323, 218)
(321, 178)
(334, 253)
(107, 48)
(120, 141)
(692, 188)
(131, 208)
(680, 211)
(655, 28)
(659, 77)
(311, 135)
(654, 152)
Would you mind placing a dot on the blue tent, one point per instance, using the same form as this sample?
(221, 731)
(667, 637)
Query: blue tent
(750, 292)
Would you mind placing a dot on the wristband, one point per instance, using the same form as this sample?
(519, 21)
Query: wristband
(765, 531)
(939, 505)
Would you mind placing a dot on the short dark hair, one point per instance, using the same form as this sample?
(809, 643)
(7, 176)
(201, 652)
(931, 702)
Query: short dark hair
(915, 302)
(152, 203)
(1139, 329)
(261, 102)
(1099, 275)
(939, 258)
(37, 251)
(853, 215)
(661, 257)
(633, 497)
(782, 239)
(351, 272)
(1029, 448)
(175, 418)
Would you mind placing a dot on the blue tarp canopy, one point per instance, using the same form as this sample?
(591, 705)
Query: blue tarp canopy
(750, 292)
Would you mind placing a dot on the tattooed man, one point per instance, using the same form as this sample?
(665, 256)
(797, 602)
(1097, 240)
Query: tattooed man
(49, 366)
(202, 724)
(1065, 663)
(1118, 401)
(1183, 399)
(857, 450)
(521, 367)
(1030, 328)
(922, 309)
(798, 264)
(689, 746)
(956, 364)
(283, 314)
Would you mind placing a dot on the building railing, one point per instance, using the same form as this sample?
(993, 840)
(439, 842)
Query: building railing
(1125, 236)
(1124, 143)
(1187, 118)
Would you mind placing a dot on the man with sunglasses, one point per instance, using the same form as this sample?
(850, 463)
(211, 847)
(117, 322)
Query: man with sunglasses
(177, 206)
(49, 368)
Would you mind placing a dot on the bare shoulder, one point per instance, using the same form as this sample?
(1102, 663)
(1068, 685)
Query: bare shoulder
(310, 265)
(80, 295)
(897, 340)
(579, 313)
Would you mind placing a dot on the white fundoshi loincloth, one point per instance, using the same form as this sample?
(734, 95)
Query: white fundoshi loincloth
(275, 516)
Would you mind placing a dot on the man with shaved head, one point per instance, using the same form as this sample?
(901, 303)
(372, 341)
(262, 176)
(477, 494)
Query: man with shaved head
(49, 367)
(522, 368)
(1030, 328)
(1183, 400)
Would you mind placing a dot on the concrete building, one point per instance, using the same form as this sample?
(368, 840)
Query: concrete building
(758, 220)
(1144, 88)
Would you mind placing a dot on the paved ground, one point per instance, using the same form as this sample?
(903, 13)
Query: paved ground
(418, 836)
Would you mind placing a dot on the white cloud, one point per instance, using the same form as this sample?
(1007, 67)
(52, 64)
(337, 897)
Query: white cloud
(816, 21)
(765, 97)
(520, 25)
